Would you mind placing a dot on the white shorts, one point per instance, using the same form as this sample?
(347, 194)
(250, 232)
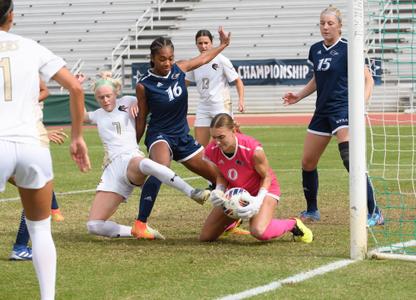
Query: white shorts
(114, 178)
(206, 112)
(31, 165)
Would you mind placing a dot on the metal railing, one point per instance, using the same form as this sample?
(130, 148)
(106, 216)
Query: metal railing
(123, 47)
(76, 69)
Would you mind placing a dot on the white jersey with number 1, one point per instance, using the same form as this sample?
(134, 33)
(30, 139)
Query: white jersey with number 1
(22, 61)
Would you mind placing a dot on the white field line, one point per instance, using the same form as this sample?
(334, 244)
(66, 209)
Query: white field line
(188, 178)
(57, 194)
(410, 243)
(81, 191)
(290, 280)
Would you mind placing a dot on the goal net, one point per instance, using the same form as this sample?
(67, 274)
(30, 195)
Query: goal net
(391, 121)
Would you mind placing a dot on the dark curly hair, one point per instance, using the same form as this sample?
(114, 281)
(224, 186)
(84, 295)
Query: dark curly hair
(158, 44)
(6, 7)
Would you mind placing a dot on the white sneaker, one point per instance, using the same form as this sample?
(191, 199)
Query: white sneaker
(200, 196)
(21, 252)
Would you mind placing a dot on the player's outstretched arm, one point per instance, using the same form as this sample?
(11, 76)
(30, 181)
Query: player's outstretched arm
(207, 56)
(78, 148)
(57, 136)
(240, 91)
(262, 167)
(43, 91)
(369, 84)
(292, 98)
(143, 110)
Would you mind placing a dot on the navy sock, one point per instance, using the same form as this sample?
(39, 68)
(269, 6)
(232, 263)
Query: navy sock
(371, 200)
(310, 189)
(148, 197)
(54, 202)
(22, 237)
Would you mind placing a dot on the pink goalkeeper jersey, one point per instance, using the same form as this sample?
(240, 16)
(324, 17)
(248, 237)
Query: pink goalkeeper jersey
(239, 169)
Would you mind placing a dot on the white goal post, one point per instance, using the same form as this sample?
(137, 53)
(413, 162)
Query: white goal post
(357, 181)
(389, 35)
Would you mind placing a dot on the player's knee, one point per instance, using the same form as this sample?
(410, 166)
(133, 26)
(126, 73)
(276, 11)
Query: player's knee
(146, 166)
(308, 165)
(258, 233)
(95, 227)
(206, 236)
(345, 154)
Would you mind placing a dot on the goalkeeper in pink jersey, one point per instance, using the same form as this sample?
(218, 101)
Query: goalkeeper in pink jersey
(241, 162)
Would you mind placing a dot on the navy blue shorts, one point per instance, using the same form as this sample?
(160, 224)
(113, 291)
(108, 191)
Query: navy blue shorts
(328, 125)
(182, 147)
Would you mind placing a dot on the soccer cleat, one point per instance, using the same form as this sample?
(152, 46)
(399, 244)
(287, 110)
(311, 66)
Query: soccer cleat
(301, 232)
(200, 196)
(234, 228)
(141, 230)
(310, 216)
(211, 187)
(57, 215)
(375, 219)
(21, 252)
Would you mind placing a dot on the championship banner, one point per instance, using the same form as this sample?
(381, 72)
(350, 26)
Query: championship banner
(137, 71)
(274, 71)
(269, 71)
(256, 72)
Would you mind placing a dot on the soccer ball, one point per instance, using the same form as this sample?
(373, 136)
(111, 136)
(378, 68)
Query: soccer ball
(234, 201)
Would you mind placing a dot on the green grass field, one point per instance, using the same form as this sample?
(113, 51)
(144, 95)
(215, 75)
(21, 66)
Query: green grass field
(183, 268)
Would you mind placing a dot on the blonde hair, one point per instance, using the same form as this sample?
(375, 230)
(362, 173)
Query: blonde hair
(334, 11)
(106, 79)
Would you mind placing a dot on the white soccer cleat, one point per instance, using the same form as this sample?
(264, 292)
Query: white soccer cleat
(200, 196)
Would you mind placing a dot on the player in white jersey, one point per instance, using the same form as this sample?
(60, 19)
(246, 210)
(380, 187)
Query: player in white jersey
(212, 82)
(21, 250)
(21, 62)
(125, 166)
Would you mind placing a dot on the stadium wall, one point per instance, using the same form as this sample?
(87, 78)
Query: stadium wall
(56, 110)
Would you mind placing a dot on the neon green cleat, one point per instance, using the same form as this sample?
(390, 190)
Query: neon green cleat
(234, 228)
(301, 232)
(57, 215)
(142, 230)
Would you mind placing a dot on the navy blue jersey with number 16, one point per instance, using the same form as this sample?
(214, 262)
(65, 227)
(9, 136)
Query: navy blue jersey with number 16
(167, 100)
(330, 66)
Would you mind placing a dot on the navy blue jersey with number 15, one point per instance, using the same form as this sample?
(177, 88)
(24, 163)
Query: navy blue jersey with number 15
(330, 66)
(167, 100)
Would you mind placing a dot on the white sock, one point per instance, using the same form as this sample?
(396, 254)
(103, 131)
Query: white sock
(108, 229)
(43, 256)
(165, 175)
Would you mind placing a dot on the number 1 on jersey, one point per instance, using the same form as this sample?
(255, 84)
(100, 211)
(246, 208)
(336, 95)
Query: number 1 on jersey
(7, 78)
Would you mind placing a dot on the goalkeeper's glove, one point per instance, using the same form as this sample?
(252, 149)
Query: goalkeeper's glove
(217, 197)
(247, 212)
